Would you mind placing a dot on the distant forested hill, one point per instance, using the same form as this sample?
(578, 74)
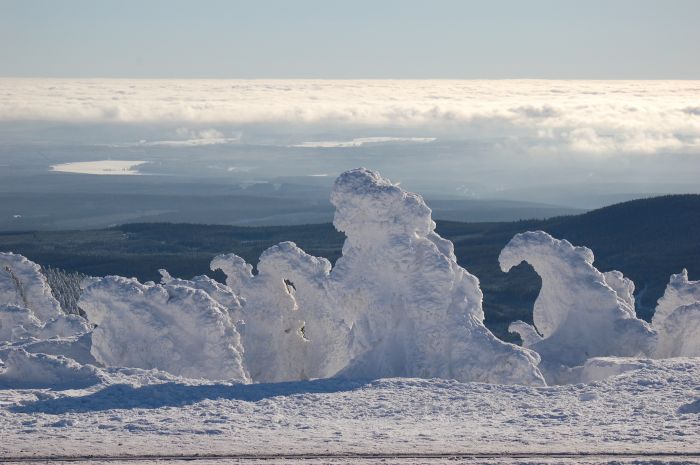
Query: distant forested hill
(646, 239)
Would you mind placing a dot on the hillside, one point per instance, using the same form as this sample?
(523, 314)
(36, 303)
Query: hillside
(647, 239)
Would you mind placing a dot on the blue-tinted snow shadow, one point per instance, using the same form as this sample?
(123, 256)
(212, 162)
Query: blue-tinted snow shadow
(125, 396)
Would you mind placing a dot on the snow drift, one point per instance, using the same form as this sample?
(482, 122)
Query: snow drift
(580, 312)
(169, 327)
(74, 347)
(34, 371)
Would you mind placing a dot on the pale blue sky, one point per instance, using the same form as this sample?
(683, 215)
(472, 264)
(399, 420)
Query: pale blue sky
(592, 39)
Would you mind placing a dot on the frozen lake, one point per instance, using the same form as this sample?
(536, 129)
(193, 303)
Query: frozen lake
(100, 167)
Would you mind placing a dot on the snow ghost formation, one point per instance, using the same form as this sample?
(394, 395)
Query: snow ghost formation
(415, 311)
(288, 304)
(395, 304)
(27, 307)
(272, 331)
(677, 318)
(170, 327)
(580, 312)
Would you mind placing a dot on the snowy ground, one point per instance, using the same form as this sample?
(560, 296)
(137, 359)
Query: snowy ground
(390, 460)
(651, 409)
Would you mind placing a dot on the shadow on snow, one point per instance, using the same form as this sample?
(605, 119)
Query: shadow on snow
(172, 394)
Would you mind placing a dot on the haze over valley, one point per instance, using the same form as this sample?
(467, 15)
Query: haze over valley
(476, 150)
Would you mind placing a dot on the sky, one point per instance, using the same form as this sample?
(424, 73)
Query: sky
(495, 39)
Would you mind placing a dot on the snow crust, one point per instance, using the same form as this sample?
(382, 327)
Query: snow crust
(169, 327)
(648, 409)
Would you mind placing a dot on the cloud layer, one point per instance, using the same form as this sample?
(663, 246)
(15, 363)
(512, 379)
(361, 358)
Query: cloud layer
(582, 116)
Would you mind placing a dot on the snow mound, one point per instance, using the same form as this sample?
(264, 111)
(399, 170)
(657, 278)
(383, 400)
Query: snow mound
(35, 371)
(74, 347)
(677, 318)
(580, 313)
(170, 327)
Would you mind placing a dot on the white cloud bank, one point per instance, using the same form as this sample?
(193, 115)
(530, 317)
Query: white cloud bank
(584, 116)
(360, 141)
